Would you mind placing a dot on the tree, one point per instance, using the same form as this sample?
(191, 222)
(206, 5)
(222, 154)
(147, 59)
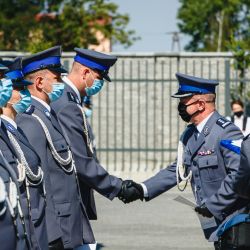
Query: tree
(212, 23)
(28, 25)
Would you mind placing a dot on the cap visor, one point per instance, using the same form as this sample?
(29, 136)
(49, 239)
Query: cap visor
(180, 95)
(21, 83)
(58, 70)
(106, 77)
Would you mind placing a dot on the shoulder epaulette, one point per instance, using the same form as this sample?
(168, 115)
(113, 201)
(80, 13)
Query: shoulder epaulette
(72, 98)
(30, 110)
(222, 122)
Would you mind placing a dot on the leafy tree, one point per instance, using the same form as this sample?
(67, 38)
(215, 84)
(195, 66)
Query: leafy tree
(29, 25)
(212, 23)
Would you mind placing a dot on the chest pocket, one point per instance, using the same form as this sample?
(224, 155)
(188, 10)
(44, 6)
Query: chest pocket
(60, 145)
(209, 169)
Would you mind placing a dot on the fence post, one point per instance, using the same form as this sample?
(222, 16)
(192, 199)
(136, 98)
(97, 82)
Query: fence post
(227, 88)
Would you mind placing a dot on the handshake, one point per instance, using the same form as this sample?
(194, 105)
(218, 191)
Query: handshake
(130, 191)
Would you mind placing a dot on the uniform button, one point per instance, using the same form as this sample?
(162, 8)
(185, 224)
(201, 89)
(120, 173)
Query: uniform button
(58, 213)
(62, 146)
(194, 163)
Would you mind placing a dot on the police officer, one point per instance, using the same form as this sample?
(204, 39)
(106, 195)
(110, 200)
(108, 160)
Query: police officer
(13, 231)
(86, 78)
(43, 131)
(202, 158)
(28, 160)
(10, 154)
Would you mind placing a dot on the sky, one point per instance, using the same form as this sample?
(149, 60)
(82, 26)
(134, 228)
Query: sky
(151, 19)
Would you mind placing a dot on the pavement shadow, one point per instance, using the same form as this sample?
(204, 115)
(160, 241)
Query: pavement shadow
(100, 246)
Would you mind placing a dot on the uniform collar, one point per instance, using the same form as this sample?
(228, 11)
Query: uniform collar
(46, 105)
(9, 120)
(72, 85)
(202, 124)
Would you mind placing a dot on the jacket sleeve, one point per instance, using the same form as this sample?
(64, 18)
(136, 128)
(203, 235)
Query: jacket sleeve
(164, 180)
(89, 170)
(241, 183)
(225, 200)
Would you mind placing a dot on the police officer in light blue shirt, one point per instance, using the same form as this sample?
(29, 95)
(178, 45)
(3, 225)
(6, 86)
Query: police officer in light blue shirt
(202, 159)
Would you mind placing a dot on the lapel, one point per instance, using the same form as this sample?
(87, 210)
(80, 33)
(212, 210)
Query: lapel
(48, 116)
(205, 132)
(71, 94)
(3, 134)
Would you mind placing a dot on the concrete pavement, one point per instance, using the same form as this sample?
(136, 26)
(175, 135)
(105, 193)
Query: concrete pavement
(159, 224)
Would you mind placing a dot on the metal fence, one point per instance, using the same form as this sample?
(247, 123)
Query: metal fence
(135, 120)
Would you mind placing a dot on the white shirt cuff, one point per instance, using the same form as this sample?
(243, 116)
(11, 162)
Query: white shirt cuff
(145, 190)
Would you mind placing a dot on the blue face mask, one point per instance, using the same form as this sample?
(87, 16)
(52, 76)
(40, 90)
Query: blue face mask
(5, 91)
(22, 105)
(56, 92)
(95, 88)
(88, 112)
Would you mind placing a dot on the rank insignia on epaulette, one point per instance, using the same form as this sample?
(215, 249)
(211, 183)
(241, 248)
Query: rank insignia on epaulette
(223, 122)
(29, 110)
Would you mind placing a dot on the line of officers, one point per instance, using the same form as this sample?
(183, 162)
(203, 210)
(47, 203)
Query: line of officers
(48, 165)
(49, 168)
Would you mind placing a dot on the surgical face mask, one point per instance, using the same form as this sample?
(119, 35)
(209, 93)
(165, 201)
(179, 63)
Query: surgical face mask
(5, 91)
(22, 105)
(185, 116)
(57, 91)
(88, 112)
(239, 113)
(95, 88)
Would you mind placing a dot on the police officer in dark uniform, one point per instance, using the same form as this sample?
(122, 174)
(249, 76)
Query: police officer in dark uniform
(13, 231)
(86, 78)
(43, 131)
(202, 158)
(28, 160)
(17, 206)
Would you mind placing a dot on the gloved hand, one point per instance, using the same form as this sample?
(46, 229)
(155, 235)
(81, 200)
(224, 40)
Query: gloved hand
(130, 191)
(203, 210)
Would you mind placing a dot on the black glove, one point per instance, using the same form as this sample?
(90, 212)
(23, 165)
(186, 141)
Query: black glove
(130, 191)
(203, 210)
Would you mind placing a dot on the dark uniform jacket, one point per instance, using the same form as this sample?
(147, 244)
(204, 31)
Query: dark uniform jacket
(10, 155)
(37, 196)
(241, 182)
(213, 168)
(91, 173)
(9, 231)
(71, 220)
